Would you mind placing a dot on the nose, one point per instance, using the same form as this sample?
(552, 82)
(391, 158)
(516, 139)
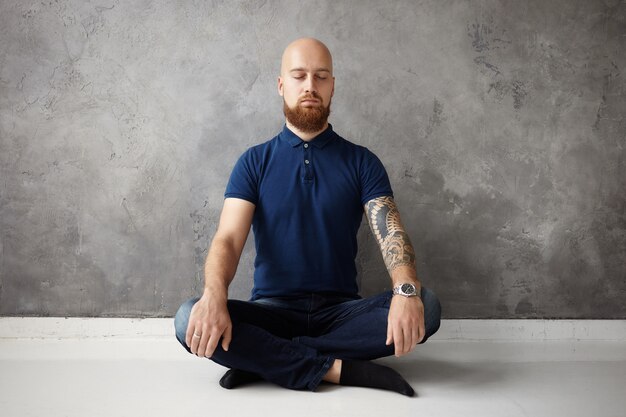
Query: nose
(310, 85)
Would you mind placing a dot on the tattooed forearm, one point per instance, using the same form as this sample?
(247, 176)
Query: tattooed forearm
(395, 245)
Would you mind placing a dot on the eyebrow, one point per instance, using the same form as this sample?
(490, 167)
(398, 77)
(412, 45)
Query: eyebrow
(305, 70)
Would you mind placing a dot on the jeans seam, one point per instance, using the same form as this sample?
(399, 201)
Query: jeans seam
(361, 310)
(314, 383)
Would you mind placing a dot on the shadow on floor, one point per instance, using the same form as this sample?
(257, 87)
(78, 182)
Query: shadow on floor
(468, 375)
(464, 376)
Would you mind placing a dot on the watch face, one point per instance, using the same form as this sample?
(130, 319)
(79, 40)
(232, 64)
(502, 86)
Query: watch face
(408, 288)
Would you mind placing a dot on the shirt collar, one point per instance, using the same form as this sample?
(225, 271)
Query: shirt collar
(318, 141)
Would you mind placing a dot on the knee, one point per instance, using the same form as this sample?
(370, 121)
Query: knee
(432, 312)
(181, 320)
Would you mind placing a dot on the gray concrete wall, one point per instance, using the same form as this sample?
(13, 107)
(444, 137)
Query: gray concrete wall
(501, 124)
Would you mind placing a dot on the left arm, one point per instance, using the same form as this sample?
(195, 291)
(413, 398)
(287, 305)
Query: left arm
(405, 325)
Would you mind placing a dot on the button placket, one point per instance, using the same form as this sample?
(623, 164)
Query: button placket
(308, 171)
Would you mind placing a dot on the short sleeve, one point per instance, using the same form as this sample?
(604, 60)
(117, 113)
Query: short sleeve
(374, 179)
(243, 182)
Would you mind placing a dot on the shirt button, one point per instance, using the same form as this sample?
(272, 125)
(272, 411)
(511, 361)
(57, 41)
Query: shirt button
(306, 161)
(306, 145)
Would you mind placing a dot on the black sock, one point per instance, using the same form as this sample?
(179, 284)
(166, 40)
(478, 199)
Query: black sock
(235, 377)
(368, 374)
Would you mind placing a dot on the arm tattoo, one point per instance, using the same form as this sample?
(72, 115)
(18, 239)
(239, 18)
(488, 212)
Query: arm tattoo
(394, 242)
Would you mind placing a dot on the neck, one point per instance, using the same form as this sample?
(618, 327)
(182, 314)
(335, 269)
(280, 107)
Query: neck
(305, 136)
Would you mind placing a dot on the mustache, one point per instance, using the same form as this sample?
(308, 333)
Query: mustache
(309, 96)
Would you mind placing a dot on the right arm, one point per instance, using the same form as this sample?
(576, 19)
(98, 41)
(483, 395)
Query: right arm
(209, 317)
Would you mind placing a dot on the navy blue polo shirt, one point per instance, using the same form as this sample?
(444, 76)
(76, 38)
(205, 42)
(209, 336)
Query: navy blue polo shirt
(309, 199)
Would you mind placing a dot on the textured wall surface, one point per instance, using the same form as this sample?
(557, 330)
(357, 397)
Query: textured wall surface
(501, 124)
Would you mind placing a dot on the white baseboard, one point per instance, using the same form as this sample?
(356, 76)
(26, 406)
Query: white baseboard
(465, 329)
(532, 330)
(81, 328)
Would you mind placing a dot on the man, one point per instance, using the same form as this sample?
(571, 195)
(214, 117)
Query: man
(304, 193)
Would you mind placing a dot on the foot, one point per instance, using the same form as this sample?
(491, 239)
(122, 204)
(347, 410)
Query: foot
(368, 374)
(234, 378)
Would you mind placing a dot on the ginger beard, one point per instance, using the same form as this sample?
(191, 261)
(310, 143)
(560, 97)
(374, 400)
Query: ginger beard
(307, 119)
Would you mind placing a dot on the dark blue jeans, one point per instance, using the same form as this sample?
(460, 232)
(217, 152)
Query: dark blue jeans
(293, 341)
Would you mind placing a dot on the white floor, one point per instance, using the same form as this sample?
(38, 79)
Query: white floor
(154, 376)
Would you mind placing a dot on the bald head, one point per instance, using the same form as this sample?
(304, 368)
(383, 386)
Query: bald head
(306, 51)
(306, 84)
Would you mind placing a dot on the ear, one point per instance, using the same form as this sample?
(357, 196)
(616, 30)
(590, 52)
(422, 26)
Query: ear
(280, 86)
(332, 93)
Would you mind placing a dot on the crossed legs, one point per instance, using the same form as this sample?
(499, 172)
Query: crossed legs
(298, 350)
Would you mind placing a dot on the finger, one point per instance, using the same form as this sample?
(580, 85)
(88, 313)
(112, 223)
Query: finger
(389, 334)
(415, 337)
(191, 326)
(398, 340)
(422, 329)
(227, 337)
(189, 334)
(190, 329)
(195, 342)
(199, 339)
(408, 340)
(212, 343)
(204, 340)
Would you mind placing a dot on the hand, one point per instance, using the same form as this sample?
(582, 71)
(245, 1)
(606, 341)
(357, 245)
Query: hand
(405, 323)
(210, 320)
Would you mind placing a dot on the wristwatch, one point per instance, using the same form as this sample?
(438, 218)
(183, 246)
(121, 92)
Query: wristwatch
(406, 289)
